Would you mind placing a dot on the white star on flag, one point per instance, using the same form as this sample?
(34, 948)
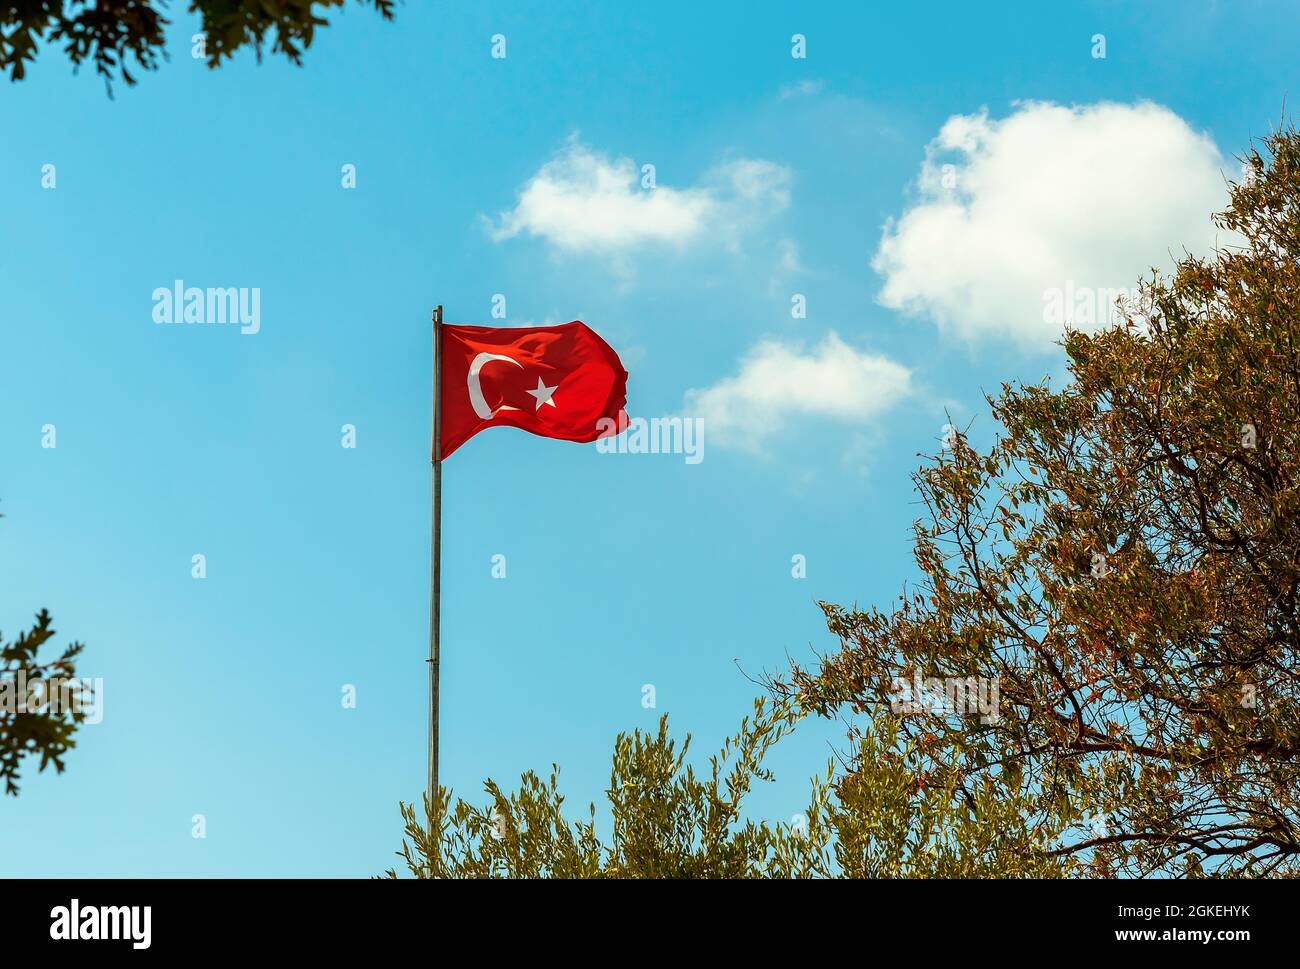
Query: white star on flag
(542, 394)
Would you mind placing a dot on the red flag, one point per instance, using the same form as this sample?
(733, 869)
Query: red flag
(557, 381)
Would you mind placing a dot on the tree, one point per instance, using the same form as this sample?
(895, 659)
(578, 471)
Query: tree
(41, 704)
(1123, 563)
(109, 33)
(667, 822)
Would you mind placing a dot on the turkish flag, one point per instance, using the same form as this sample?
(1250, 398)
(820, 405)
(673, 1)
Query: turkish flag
(556, 381)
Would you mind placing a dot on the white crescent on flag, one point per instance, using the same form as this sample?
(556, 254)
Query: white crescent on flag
(476, 400)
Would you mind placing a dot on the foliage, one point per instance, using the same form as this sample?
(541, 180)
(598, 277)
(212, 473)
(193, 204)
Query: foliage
(667, 822)
(1124, 562)
(109, 33)
(48, 730)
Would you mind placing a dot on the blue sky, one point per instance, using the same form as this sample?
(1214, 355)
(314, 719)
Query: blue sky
(775, 176)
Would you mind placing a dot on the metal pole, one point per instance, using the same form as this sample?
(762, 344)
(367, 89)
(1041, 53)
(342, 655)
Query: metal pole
(435, 565)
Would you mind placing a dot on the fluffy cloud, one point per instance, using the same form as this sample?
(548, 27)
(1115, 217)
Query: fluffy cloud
(779, 383)
(582, 201)
(1052, 200)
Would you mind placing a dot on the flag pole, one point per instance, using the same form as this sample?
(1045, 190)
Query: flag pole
(435, 569)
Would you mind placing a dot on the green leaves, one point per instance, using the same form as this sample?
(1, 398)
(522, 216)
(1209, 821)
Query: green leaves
(667, 821)
(40, 730)
(880, 820)
(110, 33)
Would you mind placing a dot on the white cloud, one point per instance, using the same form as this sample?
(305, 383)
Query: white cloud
(790, 256)
(779, 383)
(1047, 200)
(582, 201)
(801, 89)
